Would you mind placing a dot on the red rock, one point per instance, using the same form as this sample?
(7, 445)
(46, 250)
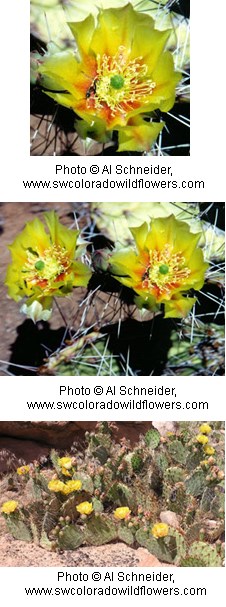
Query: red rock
(61, 434)
(146, 559)
(15, 451)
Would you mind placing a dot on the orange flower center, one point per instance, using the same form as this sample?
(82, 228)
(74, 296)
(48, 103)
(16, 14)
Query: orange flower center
(166, 271)
(119, 83)
(43, 269)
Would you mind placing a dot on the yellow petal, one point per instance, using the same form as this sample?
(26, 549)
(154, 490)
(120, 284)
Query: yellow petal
(83, 32)
(115, 28)
(179, 308)
(139, 138)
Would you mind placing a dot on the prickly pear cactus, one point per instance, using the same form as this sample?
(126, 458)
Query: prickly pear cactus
(180, 543)
(125, 535)
(218, 504)
(101, 453)
(122, 495)
(97, 505)
(100, 530)
(137, 462)
(152, 438)
(54, 456)
(175, 497)
(19, 529)
(161, 462)
(177, 451)
(196, 483)
(36, 512)
(69, 506)
(70, 537)
(195, 493)
(174, 475)
(207, 499)
(45, 542)
(87, 482)
(207, 554)
(201, 351)
(190, 561)
(163, 548)
(83, 359)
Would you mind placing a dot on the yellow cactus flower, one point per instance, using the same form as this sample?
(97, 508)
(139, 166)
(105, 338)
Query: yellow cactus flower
(65, 472)
(9, 507)
(202, 439)
(44, 265)
(208, 450)
(23, 470)
(55, 485)
(70, 486)
(205, 429)
(122, 512)
(119, 71)
(65, 462)
(163, 264)
(160, 530)
(85, 508)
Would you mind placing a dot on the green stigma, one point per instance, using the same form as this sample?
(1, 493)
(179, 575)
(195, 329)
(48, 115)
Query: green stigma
(117, 81)
(164, 269)
(39, 265)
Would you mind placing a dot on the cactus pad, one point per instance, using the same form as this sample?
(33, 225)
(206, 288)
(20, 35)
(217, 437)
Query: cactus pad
(70, 537)
(125, 535)
(208, 554)
(196, 483)
(177, 451)
(164, 548)
(19, 529)
(152, 438)
(100, 530)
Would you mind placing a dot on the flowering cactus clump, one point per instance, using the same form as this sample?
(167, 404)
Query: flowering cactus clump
(166, 505)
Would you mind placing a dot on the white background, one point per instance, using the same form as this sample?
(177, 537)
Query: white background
(17, 391)
(207, 162)
(190, 578)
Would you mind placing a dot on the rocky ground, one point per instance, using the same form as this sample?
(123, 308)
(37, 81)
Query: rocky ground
(14, 553)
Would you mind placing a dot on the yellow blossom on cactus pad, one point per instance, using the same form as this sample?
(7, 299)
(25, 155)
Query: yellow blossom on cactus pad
(163, 264)
(120, 70)
(205, 429)
(9, 507)
(23, 470)
(44, 264)
(208, 450)
(202, 439)
(65, 472)
(85, 508)
(160, 530)
(65, 462)
(55, 485)
(70, 486)
(122, 512)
